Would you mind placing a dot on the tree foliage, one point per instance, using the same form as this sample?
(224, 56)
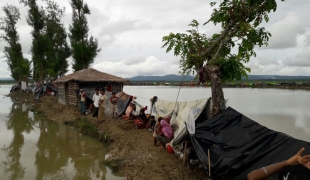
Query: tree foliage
(50, 49)
(58, 50)
(18, 65)
(240, 20)
(84, 48)
(212, 56)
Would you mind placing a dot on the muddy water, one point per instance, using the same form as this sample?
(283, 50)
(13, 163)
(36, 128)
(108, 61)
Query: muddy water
(282, 110)
(34, 148)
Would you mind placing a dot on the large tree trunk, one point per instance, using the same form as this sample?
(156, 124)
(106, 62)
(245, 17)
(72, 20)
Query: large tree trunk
(214, 74)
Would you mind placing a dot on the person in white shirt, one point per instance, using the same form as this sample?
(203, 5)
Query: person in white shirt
(96, 99)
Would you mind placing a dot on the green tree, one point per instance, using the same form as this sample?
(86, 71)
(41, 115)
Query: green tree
(18, 65)
(211, 57)
(50, 49)
(58, 50)
(36, 19)
(84, 48)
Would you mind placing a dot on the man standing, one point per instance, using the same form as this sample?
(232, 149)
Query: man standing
(96, 99)
(82, 104)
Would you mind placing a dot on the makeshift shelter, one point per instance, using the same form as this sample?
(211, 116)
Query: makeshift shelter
(239, 145)
(180, 112)
(87, 79)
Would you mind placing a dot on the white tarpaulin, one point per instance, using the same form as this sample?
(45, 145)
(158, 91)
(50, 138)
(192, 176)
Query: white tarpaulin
(179, 112)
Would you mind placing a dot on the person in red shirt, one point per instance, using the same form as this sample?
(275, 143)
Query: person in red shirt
(113, 101)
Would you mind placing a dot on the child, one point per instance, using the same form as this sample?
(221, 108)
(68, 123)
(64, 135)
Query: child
(151, 124)
(141, 121)
(114, 101)
(157, 130)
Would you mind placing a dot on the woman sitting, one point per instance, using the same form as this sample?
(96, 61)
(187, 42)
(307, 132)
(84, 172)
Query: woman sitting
(141, 121)
(166, 133)
(128, 111)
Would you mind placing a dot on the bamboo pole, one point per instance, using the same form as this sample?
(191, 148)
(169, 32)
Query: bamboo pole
(209, 162)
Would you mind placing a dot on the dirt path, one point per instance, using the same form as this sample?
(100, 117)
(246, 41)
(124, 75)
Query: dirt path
(133, 148)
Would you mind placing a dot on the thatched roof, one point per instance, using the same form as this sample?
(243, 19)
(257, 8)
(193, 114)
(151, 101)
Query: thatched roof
(90, 75)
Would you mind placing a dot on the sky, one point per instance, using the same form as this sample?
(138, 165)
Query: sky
(130, 35)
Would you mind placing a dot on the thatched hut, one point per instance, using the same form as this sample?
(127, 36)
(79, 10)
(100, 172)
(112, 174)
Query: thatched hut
(87, 79)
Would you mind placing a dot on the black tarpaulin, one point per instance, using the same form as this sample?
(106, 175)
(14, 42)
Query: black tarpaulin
(239, 145)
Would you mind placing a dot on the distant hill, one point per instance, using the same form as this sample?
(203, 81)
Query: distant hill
(174, 77)
(276, 77)
(6, 79)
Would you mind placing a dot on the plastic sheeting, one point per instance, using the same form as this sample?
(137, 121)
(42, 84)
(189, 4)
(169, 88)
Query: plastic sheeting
(239, 145)
(52, 87)
(15, 88)
(123, 101)
(179, 114)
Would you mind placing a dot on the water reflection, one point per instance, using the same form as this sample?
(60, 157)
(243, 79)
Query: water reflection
(19, 123)
(39, 149)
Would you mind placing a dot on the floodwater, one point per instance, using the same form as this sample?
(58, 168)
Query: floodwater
(32, 148)
(283, 110)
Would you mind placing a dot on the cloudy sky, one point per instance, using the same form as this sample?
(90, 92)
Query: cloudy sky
(130, 34)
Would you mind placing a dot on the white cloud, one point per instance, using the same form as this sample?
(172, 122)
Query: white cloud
(284, 32)
(130, 31)
(302, 59)
(148, 66)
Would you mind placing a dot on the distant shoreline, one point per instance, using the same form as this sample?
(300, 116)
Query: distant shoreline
(267, 84)
(243, 84)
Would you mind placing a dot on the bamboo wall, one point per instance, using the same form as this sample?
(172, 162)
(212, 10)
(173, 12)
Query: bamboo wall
(72, 95)
(62, 93)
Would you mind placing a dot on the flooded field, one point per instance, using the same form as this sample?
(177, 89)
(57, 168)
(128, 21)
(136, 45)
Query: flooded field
(34, 148)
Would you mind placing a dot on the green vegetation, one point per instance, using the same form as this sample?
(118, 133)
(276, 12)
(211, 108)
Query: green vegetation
(211, 57)
(49, 48)
(84, 49)
(18, 65)
(87, 128)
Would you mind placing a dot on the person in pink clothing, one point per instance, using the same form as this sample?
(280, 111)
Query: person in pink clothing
(166, 134)
(128, 111)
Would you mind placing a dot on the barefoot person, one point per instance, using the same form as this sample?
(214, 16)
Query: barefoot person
(113, 101)
(83, 95)
(126, 116)
(101, 113)
(295, 168)
(96, 99)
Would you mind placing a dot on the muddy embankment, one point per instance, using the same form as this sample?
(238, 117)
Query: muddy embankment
(132, 151)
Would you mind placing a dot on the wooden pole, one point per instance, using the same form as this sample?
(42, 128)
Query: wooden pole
(185, 154)
(209, 162)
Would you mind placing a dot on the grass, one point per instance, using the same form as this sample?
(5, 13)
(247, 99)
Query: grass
(87, 128)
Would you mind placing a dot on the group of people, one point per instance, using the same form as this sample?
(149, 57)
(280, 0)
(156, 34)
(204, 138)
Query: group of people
(160, 128)
(295, 168)
(98, 104)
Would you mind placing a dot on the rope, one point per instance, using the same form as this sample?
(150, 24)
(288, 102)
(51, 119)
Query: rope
(178, 94)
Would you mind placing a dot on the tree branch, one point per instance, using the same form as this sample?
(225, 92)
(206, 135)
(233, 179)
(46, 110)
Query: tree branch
(219, 39)
(224, 41)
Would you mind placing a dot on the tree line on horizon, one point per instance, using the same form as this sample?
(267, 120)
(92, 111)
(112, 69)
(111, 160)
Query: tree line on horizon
(50, 48)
